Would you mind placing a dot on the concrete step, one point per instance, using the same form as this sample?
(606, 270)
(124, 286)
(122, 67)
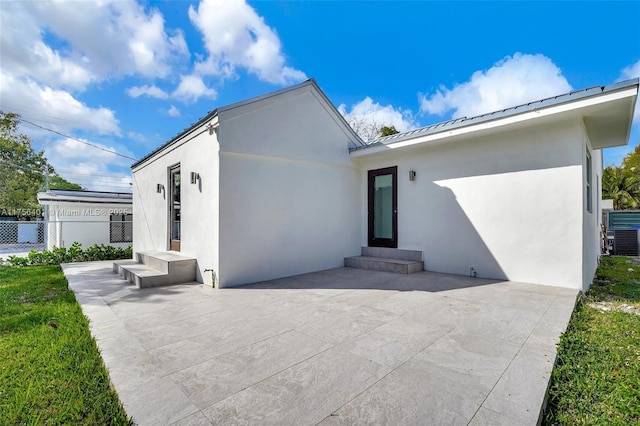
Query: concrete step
(155, 268)
(392, 253)
(398, 266)
(164, 260)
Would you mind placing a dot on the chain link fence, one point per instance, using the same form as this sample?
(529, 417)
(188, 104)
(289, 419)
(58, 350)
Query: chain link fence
(18, 238)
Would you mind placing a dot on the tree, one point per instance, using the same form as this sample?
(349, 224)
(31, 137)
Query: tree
(631, 161)
(369, 129)
(22, 171)
(365, 127)
(622, 186)
(388, 131)
(58, 182)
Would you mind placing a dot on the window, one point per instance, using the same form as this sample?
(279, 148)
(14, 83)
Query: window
(121, 228)
(589, 191)
(598, 194)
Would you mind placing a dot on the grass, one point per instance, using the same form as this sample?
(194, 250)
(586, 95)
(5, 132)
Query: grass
(617, 280)
(50, 368)
(597, 376)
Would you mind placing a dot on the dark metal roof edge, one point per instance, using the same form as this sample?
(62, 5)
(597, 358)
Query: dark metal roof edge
(308, 82)
(340, 116)
(211, 114)
(507, 112)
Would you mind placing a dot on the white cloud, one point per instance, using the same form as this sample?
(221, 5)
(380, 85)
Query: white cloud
(173, 111)
(115, 182)
(34, 100)
(96, 177)
(366, 116)
(235, 36)
(632, 71)
(96, 169)
(71, 149)
(191, 88)
(152, 91)
(94, 41)
(101, 39)
(138, 137)
(512, 81)
(25, 53)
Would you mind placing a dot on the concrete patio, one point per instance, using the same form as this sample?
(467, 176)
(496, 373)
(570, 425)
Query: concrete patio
(337, 347)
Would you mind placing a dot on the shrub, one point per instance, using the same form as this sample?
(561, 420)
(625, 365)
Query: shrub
(75, 253)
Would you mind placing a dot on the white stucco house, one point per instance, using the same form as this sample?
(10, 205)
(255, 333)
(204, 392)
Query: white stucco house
(87, 217)
(280, 185)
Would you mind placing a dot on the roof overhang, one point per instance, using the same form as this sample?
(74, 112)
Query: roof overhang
(608, 123)
(607, 116)
(48, 198)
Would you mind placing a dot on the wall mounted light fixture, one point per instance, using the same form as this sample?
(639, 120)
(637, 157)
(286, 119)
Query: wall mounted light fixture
(159, 188)
(212, 128)
(195, 177)
(412, 175)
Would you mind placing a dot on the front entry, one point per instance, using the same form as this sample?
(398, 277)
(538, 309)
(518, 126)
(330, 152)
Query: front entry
(174, 208)
(383, 207)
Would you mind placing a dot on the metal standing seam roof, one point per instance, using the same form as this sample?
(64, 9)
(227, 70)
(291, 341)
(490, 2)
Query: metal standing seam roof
(211, 114)
(531, 106)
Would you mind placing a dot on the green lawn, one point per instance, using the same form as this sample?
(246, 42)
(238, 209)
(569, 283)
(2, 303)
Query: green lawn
(597, 377)
(50, 368)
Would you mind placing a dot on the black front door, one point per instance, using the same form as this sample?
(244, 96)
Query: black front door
(383, 207)
(174, 208)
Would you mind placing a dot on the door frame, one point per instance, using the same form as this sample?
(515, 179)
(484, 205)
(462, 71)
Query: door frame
(371, 175)
(174, 244)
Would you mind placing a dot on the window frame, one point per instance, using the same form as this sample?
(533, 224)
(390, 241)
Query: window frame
(589, 178)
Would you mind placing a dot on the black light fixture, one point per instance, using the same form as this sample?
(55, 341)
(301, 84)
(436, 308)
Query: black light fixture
(194, 177)
(212, 128)
(412, 175)
(159, 188)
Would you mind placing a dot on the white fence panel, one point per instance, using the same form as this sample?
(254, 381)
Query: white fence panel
(18, 237)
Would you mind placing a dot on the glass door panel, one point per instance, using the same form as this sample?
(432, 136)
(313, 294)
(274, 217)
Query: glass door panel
(174, 208)
(383, 207)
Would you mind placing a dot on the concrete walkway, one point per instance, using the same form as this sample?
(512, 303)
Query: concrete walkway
(336, 347)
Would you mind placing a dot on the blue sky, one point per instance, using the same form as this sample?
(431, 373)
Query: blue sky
(127, 75)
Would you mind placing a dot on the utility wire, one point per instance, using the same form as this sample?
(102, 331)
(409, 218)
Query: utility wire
(90, 176)
(106, 175)
(107, 184)
(37, 116)
(96, 180)
(79, 140)
(20, 167)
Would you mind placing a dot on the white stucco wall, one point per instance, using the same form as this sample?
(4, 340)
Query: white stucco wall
(289, 200)
(86, 223)
(195, 152)
(510, 204)
(592, 221)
